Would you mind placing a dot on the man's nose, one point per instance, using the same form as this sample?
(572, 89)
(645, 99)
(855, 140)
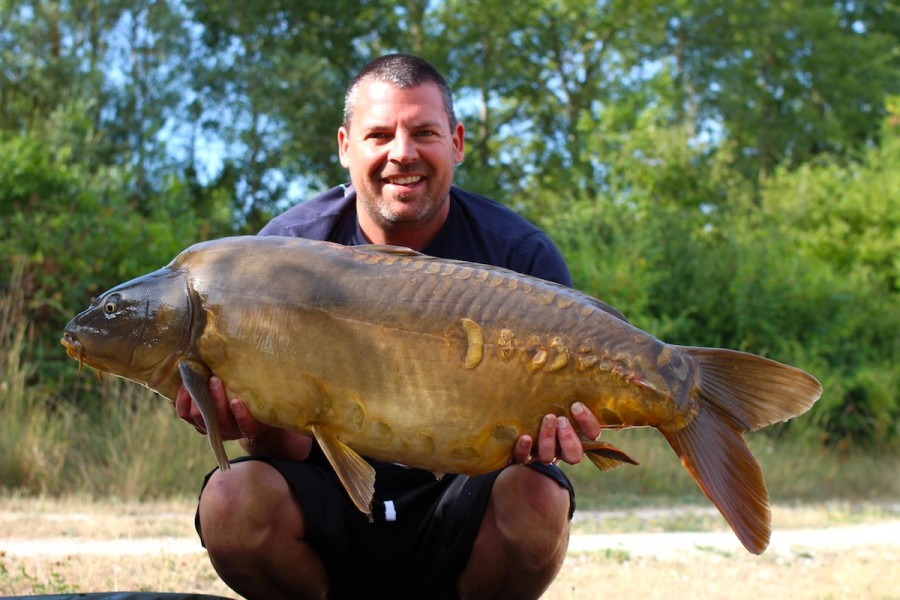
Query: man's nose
(403, 149)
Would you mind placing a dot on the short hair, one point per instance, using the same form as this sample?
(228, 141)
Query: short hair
(404, 71)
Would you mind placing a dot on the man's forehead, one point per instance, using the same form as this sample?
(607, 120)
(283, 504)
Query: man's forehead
(373, 86)
(378, 100)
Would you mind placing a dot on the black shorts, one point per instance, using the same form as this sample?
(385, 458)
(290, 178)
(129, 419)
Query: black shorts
(422, 533)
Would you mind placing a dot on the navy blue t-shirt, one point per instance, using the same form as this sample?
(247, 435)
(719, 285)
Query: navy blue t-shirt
(477, 230)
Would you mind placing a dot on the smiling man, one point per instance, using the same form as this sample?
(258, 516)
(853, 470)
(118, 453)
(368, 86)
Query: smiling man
(279, 524)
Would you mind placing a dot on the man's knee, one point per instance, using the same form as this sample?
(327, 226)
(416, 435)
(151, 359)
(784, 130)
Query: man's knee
(523, 537)
(523, 496)
(254, 530)
(242, 508)
(532, 512)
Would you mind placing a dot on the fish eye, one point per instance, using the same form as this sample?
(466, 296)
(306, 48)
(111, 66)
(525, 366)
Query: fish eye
(111, 305)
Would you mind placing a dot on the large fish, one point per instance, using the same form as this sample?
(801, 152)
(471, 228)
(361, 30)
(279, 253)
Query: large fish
(436, 364)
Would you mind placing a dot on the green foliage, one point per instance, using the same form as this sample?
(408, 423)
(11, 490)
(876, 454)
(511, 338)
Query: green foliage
(78, 233)
(789, 80)
(27, 421)
(847, 214)
(844, 221)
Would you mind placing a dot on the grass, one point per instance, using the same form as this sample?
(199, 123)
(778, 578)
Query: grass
(126, 443)
(796, 471)
(143, 451)
(134, 449)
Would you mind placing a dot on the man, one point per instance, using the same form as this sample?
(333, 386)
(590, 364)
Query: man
(279, 524)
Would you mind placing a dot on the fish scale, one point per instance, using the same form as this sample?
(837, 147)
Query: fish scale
(382, 352)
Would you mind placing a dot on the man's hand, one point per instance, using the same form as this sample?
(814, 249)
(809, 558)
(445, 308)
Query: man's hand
(235, 421)
(558, 439)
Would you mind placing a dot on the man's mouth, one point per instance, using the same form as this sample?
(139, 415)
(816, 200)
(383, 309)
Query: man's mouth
(405, 180)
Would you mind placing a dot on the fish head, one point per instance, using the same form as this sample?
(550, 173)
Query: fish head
(134, 330)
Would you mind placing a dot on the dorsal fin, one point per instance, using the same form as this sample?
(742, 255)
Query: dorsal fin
(607, 308)
(388, 249)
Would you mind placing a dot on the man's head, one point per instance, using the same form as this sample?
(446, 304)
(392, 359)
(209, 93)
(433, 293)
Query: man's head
(400, 142)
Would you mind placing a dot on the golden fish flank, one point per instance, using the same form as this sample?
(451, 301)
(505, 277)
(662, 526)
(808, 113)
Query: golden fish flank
(534, 351)
(381, 352)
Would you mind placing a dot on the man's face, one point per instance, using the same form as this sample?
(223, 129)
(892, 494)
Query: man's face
(400, 152)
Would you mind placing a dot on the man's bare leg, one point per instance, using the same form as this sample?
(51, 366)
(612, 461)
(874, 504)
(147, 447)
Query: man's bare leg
(253, 528)
(523, 538)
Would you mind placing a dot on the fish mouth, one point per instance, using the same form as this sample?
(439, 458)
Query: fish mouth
(74, 349)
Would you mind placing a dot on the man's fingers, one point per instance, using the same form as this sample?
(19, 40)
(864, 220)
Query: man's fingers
(546, 445)
(586, 421)
(522, 452)
(570, 448)
(189, 411)
(247, 425)
(183, 404)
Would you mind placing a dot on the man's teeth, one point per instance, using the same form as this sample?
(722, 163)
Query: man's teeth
(405, 180)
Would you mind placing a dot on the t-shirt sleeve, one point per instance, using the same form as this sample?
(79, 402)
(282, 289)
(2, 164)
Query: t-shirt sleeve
(274, 227)
(315, 218)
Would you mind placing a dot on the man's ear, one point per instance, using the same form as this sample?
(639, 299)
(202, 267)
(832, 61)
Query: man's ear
(459, 144)
(343, 137)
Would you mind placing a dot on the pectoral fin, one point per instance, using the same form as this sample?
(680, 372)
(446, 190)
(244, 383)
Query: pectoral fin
(195, 377)
(606, 456)
(355, 473)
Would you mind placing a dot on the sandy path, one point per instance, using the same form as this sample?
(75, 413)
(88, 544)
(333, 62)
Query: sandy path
(837, 553)
(663, 546)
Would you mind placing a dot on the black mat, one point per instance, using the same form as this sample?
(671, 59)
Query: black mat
(118, 596)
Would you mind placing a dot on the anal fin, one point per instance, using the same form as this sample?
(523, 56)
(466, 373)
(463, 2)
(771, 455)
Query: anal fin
(605, 456)
(357, 476)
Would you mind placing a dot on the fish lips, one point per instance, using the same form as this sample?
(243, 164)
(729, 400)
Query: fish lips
(73, 348)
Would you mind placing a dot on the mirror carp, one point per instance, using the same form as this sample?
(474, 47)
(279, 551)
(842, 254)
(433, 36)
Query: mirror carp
(436, 364)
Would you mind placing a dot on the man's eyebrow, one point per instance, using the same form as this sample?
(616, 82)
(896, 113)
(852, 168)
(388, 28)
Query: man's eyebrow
(429, 124)
(378, 126)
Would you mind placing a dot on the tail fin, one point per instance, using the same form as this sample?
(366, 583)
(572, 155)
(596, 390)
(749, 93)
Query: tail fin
(738, 392)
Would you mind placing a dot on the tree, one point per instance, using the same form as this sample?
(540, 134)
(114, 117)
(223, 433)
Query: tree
(787, 81)
(270, 86)
(546, 77)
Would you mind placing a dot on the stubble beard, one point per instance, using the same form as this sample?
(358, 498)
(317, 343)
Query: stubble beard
(384, 211)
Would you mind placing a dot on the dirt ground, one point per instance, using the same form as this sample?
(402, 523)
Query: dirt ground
(822, 552)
